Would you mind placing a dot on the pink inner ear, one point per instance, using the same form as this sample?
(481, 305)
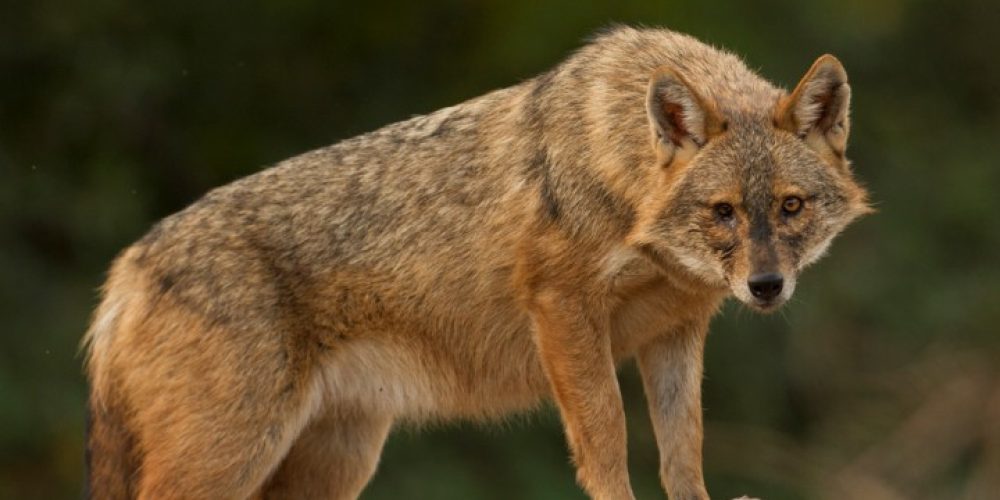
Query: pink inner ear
(833, 106)
(675, 114)
(823, 101)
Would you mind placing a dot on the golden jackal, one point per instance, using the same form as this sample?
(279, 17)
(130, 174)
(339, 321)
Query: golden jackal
(466, 264)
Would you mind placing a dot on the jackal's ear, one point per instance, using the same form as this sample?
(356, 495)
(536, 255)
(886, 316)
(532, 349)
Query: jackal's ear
(820, 103)
(680, 119)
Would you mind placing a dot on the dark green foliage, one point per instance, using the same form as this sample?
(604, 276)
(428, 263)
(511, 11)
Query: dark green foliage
(114, 114)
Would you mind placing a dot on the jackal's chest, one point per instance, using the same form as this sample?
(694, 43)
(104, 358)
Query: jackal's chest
(624, 271)
(647, 302)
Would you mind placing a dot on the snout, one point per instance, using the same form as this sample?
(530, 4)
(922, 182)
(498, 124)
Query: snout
(765, 286)
(765, 292)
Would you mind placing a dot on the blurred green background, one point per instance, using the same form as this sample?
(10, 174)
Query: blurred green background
(879, 381)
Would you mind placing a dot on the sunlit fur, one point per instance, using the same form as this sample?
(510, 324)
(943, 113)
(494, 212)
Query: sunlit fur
(466, 264)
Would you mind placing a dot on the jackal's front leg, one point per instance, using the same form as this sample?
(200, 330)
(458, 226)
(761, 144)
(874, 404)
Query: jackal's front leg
(576, 353)
(671, 369)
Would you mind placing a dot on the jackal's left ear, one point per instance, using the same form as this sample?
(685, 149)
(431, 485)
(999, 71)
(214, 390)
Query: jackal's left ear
(681, 120)
(820, 103)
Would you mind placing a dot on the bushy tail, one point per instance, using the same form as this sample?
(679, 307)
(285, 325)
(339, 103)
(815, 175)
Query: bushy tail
(111, 453)
(110, 458)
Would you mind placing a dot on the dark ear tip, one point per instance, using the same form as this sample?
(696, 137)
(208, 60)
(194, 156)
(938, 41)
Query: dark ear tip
(830, 58)
(828, 63)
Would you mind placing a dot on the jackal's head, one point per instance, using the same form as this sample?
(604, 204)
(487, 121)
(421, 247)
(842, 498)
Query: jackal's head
(753, 194)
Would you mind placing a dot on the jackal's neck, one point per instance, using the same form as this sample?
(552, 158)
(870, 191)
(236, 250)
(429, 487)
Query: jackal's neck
(583, 129)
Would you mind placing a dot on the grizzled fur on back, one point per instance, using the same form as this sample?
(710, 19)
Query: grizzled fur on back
(465, 264)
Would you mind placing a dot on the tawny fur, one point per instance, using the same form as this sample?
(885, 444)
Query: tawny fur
(466, 264)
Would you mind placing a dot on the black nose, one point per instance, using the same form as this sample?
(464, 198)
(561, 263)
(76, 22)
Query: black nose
(765, 286)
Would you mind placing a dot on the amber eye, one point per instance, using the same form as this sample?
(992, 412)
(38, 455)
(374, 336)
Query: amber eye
(724, 211)
(791, 205)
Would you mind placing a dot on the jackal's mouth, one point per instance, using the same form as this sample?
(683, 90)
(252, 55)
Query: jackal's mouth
(766, 306)
(764, 301)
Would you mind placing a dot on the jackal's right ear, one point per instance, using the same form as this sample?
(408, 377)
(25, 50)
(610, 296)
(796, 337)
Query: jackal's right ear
(681, 120)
